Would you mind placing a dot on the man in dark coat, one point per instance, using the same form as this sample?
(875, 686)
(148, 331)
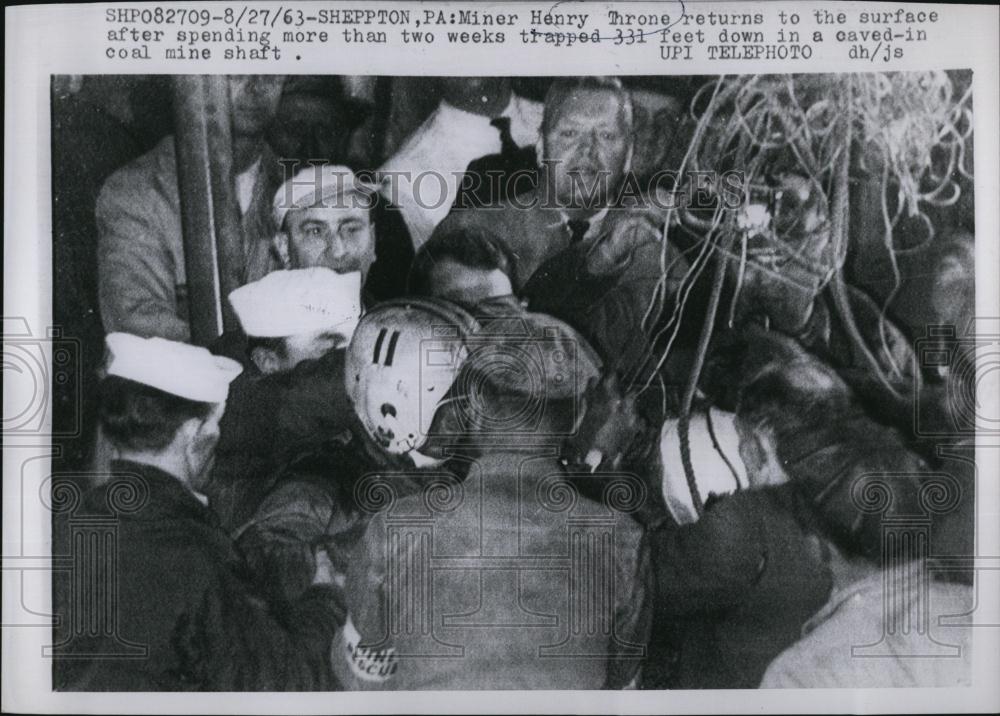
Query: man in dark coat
(184, 616)
(735, 588)
(291, 395)
(586, 249)
(269, 418)
(504, 575)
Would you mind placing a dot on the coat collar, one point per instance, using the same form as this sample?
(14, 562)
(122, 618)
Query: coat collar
(144, 492)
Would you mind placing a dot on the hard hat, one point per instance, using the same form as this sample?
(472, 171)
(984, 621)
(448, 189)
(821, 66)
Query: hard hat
(507, 373)
(715, 456)
(403, 359)
(325, 185)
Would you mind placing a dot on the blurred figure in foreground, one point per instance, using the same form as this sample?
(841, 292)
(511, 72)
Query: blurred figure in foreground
(183, 602)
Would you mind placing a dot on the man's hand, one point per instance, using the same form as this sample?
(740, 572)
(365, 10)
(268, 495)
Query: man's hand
(625, 231)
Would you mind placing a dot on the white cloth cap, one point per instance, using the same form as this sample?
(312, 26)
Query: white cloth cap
(298, 301)
(317, 183)
(181, 369)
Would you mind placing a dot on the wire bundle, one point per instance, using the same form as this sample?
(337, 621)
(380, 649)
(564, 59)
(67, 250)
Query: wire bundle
(905, 128)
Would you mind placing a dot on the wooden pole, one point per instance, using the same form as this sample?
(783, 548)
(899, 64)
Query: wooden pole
(212, 233)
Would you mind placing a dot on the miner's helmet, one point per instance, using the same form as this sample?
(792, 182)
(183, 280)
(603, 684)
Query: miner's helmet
(497, 373)
(402, 362)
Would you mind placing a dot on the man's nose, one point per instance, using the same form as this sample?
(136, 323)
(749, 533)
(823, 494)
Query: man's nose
(591, 145)
(338, 249)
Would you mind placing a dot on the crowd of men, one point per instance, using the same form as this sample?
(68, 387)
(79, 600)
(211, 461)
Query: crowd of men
(438, 455)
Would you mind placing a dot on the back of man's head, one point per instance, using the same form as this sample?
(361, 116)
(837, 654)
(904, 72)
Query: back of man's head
(140, 418)
(461, 265)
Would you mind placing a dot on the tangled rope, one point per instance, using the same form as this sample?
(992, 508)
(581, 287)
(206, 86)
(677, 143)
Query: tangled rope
(907, 129)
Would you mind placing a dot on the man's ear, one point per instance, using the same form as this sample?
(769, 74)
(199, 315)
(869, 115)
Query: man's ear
(280, 243)
(631, 150)
(266, 360)
(186, 433)
(372, 253)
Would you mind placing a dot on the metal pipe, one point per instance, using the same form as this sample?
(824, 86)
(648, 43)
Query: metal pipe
(229, 240)
(214, 262)
(197, 225)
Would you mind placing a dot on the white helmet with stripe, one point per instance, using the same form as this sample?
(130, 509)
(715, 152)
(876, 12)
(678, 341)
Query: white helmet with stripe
(716, 458)
(403, 359)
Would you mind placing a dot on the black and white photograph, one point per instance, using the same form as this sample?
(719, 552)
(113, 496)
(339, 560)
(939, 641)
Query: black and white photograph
(557, 383)
(425, 382)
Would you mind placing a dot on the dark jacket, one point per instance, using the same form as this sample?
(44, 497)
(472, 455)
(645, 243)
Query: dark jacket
(184, 610)
(734, 589)
(269, 418)
(312, 504)
(508, 580)
(496, 178)
(393, 255)
(608, 304)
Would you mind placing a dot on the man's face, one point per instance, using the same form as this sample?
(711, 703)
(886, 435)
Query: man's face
(342, 238)
(254, 102)
(587, 147)
(310, 346)
(467, 285)
(201, 447)
(657, 117)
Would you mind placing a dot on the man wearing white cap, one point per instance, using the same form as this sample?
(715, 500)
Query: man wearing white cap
(292, 316)
(326, 216)
(297, 322)
(181, 604)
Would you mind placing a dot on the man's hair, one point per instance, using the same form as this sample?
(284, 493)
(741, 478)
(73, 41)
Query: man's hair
(565, 88)
(471, 246)
(277, 345)
(140, 417)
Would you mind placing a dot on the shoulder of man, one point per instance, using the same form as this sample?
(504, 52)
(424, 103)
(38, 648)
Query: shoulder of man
(755, 508)
(733, 528)
(144, 182)
(510, 220)
(184, 554)
(412, 147)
